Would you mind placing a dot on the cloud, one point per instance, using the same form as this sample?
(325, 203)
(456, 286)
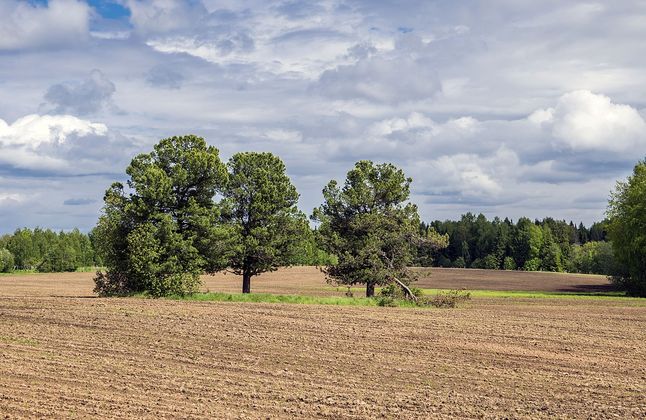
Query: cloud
(380, 79)
(584, 121)
(27, 25)
(159, 16)
(55, 145)
(164, 77)
(81, 97)
(11, 199)
(467, 176)
(513, 108)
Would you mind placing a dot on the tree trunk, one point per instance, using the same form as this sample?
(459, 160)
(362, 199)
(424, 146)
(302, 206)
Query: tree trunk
(370, 289)
(406, 289)
(246, 282)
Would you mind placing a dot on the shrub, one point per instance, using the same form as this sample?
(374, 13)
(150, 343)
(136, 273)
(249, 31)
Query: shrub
(509, 264)
(532, 265)
(392, 294)
(449, 299)
(395, 291)
(6, 261)
(387, 301)
(459, 263)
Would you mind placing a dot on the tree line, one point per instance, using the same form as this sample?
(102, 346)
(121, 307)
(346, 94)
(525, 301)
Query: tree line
(547, 245)
(184, 212)
(44, 250)
(48, 251)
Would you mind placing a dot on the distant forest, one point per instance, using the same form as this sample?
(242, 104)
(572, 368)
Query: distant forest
(473, 242)
(539, 245)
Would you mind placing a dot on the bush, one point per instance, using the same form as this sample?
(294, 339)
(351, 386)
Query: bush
(459, 263)
(387, 301)
(6, 261)
(477, 263)
(396, 292)
(490, 262)
(449, 299)
(532, 265)
(509, 264)
(392, 294)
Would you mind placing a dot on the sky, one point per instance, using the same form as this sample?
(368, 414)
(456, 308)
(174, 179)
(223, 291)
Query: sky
(504, 107)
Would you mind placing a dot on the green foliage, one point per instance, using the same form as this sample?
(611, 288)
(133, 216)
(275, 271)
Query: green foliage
(260, 203)
(307, 251)
(370, 226)
(491, 262)
(459, 263)
(532, 265)
(449, 299)
(393, 290)
(48, 251)
(550, 252)
(627, 230)
(161, 234)
(593, 257)
(547, 244)
(392, 296)
(7, 261)
(509, 264)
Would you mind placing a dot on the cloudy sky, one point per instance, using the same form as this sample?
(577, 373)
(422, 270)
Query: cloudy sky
(505, 107)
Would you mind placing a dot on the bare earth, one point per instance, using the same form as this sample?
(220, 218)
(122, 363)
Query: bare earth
(310, 281)
(64, 355)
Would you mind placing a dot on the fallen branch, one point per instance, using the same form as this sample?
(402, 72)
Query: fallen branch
(406, 289)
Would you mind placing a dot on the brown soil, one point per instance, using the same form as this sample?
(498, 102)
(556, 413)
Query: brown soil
(310, 281)
(125, 358)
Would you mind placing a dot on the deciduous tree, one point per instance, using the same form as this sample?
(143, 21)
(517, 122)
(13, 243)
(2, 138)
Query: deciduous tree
(627, 229)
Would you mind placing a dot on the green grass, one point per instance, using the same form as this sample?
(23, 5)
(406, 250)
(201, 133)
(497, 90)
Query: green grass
(271, 298)
(505, 294)
(33, 271)
(19, 273)
(362, 301)
(508, 293)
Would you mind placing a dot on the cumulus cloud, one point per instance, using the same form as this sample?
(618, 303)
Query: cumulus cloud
(81, 97)
(583, 120)
(28, 25)
(59, 145)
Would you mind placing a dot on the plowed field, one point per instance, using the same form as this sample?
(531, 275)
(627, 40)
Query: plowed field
(67, 356)
(310, 281)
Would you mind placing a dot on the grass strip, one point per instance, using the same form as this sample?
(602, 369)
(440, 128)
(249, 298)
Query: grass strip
(290, 299)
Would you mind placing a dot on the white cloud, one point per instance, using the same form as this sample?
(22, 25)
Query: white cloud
(25, 25)
(158, 16)
(469, 176)
(286, 136)
(60, 144)
(11, 199)
(583, 121)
